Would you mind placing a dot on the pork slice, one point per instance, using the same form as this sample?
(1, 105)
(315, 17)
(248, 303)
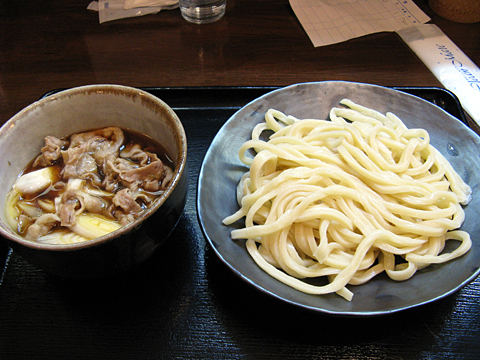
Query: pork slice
(100, 143)
(135, 153)
(75, 202)
(51, 152)
(125, 200)
(149, 176)
(42, 226)
(110, 169)
(79, 164)
(124, 219)
(66, 213)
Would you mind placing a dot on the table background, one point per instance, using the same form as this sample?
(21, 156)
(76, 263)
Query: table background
(183, 302)
(58, 43)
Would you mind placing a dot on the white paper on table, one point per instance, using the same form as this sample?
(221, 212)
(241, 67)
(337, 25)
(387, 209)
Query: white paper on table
(130, 4)
(109, 10)
(115, 9)
(332, 21)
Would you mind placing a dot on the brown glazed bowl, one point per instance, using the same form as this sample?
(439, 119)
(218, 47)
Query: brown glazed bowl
(78, 110)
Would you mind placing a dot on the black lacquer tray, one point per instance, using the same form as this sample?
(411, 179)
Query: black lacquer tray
(184, 303)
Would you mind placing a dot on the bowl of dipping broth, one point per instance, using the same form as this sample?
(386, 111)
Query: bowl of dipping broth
(94, 179)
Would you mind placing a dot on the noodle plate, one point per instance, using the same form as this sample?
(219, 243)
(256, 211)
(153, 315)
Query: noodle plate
(347, 199)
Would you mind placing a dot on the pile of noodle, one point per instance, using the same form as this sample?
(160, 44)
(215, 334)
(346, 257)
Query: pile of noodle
(347, 199)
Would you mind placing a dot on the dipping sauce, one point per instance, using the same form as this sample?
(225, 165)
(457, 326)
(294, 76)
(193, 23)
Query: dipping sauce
(87, 185)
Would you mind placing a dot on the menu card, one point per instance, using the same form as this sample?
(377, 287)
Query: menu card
(332, 21)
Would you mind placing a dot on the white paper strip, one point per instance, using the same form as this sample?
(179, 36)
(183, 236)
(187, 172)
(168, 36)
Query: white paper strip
(448, 63)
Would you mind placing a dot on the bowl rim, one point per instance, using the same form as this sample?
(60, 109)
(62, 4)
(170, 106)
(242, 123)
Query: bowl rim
(134, 93)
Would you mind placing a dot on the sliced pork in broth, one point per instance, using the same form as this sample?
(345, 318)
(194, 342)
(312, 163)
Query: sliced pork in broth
(87, 185)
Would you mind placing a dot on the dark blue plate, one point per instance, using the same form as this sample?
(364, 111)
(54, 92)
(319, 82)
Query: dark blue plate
(221, 171)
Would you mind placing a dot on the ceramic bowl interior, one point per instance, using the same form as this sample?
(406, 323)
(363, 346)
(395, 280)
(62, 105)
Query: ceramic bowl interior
(82, 109)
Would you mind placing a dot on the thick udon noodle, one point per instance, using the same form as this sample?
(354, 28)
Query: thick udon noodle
(347, 199)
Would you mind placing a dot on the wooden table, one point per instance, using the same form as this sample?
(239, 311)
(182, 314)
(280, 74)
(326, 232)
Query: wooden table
(200, 309)
(58, 43)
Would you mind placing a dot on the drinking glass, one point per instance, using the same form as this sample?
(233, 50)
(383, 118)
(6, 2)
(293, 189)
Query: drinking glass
(202, 11)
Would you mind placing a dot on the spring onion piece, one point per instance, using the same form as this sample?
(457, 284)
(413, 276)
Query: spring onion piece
(61, 237)
(92, 226)
(29, 209)
(47, 206)
(80, 184)
(35, 182)
(75, 184)
(11, 211)
(98, 192)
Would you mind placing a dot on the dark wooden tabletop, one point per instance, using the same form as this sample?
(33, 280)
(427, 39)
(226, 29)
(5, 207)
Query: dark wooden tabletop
(190, 305)
(59, 43)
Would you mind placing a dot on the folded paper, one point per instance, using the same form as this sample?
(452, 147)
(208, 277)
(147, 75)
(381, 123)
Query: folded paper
(130, 4)
(332, 21)
(109, 10)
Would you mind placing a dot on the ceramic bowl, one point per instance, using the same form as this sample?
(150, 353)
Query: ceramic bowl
(81, 109)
